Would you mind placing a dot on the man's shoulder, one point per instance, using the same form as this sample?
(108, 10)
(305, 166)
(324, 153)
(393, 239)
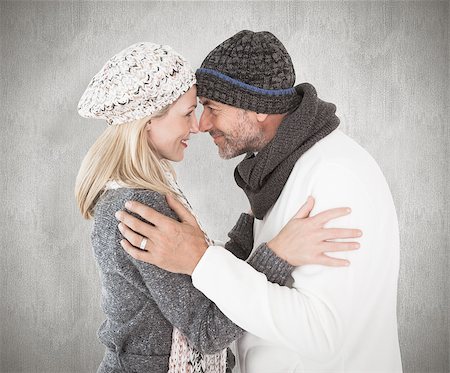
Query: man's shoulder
(338, 146)
(336, 149)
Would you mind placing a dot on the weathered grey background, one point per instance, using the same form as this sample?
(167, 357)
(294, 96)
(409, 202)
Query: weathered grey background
(385, 65)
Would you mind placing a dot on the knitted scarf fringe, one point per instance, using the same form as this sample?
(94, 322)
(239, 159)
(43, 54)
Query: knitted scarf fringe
(183, 357)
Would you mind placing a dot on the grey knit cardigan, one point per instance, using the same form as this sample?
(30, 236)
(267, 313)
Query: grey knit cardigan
(142, 302)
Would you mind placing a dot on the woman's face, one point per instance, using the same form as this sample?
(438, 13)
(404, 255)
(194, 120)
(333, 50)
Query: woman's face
(169, 134)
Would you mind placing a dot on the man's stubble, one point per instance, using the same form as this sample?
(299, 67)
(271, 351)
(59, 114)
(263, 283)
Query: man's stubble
(246, 136)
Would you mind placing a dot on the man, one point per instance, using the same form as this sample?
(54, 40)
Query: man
(328, 319)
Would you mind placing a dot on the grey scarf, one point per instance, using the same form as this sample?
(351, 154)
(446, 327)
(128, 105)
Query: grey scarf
(263, 176)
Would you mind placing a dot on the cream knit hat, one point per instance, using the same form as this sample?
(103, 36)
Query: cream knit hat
(135, 83)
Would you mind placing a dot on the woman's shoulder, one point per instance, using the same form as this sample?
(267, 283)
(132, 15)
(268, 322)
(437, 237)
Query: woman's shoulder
(114, 199)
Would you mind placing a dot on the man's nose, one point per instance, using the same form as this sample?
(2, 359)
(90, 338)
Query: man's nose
(194, 124)
(204, 124)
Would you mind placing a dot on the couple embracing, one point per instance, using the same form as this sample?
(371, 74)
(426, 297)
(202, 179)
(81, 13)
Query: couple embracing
(308, 279)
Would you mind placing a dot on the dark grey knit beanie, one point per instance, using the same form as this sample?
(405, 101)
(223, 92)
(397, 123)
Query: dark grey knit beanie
(250, 70)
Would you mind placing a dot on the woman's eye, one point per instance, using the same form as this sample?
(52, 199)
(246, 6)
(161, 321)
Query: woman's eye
(189, 114)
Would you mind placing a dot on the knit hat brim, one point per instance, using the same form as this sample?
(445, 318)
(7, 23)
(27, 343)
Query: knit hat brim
(221, 88)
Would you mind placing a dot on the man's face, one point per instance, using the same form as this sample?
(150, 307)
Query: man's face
(235, 131)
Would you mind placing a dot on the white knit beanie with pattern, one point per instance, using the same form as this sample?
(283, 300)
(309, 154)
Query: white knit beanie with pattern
(135, 83)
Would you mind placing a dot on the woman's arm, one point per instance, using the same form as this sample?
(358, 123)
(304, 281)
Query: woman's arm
(264, 259)
(241, 237)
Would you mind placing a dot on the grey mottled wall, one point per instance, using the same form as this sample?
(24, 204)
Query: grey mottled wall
(384, 64)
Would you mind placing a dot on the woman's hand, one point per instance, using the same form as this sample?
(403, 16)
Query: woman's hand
(304, 240)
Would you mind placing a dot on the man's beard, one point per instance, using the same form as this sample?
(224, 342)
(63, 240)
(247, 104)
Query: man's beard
(246, 137)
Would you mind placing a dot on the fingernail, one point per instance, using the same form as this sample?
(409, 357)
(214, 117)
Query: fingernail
(349, 210)
(347, 264)
(128, 204)
(360, 233)
(120, 227)
(118, 215)
(356, 245)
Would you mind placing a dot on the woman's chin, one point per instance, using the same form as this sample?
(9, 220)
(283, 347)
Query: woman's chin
(177, 157)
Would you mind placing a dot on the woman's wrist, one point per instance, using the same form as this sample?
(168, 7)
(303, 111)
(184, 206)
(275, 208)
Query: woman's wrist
(274, 245)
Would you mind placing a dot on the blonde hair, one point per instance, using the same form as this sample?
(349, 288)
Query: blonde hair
(121, 153)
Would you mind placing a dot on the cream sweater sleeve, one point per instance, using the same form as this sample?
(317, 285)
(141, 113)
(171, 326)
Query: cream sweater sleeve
(311, 317)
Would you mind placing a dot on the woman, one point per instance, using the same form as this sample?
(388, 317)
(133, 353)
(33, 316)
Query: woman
(156, 320)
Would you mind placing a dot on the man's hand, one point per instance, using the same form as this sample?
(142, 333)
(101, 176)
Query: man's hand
(171, 245)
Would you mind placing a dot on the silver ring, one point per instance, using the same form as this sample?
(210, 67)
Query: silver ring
(143, 243)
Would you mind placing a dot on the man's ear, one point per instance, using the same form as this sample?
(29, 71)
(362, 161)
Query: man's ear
(261, 117)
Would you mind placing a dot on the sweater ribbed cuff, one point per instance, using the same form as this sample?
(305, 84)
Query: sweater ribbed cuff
(242, 231)
(264, 260)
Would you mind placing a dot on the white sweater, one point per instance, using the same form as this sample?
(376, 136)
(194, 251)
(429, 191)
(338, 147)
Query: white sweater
(331, 319)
